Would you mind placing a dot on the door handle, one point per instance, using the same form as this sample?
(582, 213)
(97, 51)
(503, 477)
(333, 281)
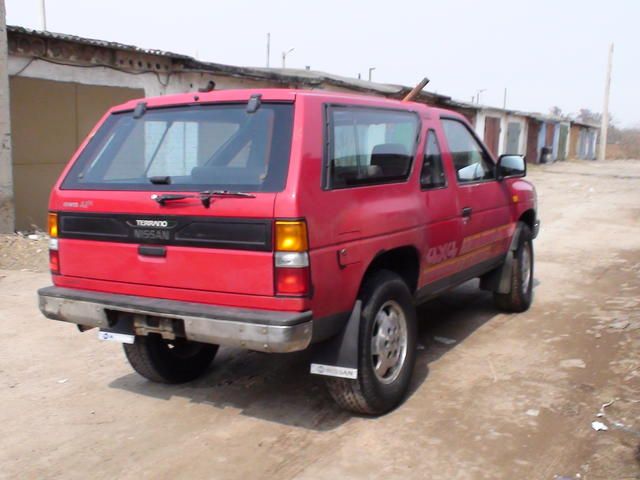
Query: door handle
(466, 212)
(152, 251)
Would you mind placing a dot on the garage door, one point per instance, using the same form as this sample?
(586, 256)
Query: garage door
(492, 134)
(48, 121)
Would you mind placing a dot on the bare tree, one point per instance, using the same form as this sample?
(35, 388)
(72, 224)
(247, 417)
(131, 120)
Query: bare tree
(556, 111)
(586, 115)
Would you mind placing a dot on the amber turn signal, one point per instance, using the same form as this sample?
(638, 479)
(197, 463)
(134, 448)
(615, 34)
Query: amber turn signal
(53, 225)
(291, 236)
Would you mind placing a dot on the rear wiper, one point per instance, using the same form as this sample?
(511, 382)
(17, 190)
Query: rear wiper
(205, 196)
(167, 197)
(227, 193)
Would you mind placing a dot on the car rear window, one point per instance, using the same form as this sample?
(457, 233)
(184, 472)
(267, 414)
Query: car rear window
(197, 147)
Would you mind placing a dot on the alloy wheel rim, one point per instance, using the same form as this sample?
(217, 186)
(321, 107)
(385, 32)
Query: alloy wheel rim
(389, 342)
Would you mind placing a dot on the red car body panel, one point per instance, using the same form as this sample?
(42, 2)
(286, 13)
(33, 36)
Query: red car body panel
(348, 228)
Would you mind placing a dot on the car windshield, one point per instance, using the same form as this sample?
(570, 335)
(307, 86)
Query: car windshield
(203, 147)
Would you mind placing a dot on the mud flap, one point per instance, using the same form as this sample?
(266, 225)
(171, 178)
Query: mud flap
(338, 357)
(499, 280)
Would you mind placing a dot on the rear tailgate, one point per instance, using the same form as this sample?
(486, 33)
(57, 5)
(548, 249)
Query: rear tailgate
(130, 206)
(188, 247)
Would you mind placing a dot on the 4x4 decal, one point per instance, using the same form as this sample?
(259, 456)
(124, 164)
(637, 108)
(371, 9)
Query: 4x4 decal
(440, 253)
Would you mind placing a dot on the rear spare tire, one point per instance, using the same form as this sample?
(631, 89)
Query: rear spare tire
(169, 361)
(386, 348)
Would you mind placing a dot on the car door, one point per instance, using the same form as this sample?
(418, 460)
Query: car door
(443, 222)
(486, 223)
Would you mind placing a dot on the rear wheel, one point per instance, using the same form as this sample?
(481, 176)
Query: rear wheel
(386, 347)
(169, 361)
(521, 294)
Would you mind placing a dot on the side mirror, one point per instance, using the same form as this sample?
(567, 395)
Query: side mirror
(510, 166)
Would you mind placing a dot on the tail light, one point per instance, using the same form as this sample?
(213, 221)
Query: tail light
(54, 254)
(54, 261)
(291, 259)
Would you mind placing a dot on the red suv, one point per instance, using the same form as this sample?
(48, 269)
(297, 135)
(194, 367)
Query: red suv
(277, 219)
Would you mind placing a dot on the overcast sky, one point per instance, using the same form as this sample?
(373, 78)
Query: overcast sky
(545, 52)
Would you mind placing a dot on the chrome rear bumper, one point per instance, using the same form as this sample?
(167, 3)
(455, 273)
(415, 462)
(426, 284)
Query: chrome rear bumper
(262, 330)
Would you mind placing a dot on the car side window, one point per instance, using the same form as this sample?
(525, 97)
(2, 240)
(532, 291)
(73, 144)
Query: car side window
(432, 175)
(470, 160)
(369, 146)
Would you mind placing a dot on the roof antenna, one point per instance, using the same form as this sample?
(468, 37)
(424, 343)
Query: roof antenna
(210, 86)
(416, 90)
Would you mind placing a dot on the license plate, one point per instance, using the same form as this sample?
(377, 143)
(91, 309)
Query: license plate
(116, 337)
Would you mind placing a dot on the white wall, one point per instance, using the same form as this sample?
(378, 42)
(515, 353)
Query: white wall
(522, 141)
(153, 84)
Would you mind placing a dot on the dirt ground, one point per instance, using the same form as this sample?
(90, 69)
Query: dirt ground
(21, 252)
(513, 398)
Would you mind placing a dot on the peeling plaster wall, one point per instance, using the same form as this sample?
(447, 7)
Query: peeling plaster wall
(7, 218)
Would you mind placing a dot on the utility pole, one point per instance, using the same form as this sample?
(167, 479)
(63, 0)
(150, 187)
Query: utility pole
(268, 48)
(284, 57)
(478, 94)
(602, 153)
(371, 69)
(504, 102)
(43, 15)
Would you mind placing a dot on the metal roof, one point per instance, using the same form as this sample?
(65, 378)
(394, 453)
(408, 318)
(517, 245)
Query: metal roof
(91, 41)
(585, 123)
(535, 115)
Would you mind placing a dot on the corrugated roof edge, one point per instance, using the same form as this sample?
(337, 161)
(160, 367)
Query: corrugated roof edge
(91, 41)
(583, 123)
(284, 76)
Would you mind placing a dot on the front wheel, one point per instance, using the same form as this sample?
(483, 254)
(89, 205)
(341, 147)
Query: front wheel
(386, 348)
(521, 276)
(169, 361)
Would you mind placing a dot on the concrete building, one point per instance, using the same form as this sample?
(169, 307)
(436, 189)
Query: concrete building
(549, 133)
(55, 87)
(583, 140)
(502, 130)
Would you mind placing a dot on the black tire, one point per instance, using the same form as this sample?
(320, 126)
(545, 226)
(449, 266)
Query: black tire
(368, 394)
(169, 361)
(521, 295)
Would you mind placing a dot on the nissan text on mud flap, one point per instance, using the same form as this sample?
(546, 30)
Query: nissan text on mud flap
(276, 219)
